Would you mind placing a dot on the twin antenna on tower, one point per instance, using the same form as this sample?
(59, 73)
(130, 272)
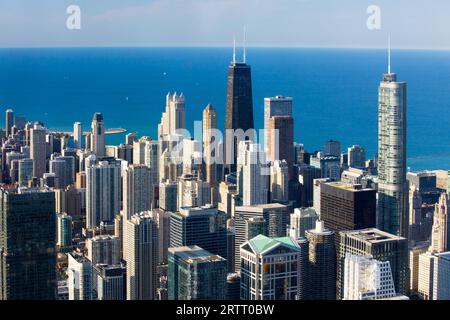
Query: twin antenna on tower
(245, 49)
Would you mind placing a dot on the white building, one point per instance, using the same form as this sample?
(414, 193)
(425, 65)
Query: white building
(174, 116)
(79, 274)
(279, 181)
(367, 279)
(137, 189)
(434, 276)
(77, 134)
(302, 219)
(103, 193)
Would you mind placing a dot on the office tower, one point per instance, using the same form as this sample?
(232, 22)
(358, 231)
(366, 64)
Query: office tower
(98, 136)
(139, 149)
(280, 144)
(38, 150)
(193, 192)
(367, 279)
(201, 226)
(254, 175)
(27, 244)
(239, 112)
(162, 219)
(381, 246)
(275, 215)
(414, 253)
(103, 249)
(254, 226)
(426, 183)
(174, 117)
(440, 233)
(392, 185)
(231, 237)
(77, 134)
(210, 145)
(137, 189)
(9, 123)
(103, 190)
(275, 106)
(270, 268)
(58, 168)
(329, 166)
(302, 219)
(80, 181)
(356, 157)
(109, 282)
(192, 157)
(317, 191)
(227, 193)
(64, 232)
(279, 181)
(322, 263)
(20, 122)
(434, 271)
(88, 141)
(306, 179)
(141, 254)
(79, 280)
(332, 148)
(168, 196)
(25, 171)
(347, 207)
(151, 159)
(196, 274)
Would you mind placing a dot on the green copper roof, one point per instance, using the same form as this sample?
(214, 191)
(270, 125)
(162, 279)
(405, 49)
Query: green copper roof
(262, 243)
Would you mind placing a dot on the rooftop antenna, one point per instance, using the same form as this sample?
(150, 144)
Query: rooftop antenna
(389, 53)
(234, 50)
(245, 43)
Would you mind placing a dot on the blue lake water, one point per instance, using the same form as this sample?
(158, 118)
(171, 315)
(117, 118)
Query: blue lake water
(334, 90)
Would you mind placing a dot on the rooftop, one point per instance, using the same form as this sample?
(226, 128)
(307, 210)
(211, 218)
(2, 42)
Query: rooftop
(373, 235)
(194, 254)
(262, 243)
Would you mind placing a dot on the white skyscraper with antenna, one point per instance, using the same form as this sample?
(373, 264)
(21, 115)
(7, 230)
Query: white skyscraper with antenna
(392, 215)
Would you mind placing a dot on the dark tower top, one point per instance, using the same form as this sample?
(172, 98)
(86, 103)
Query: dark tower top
(239, 97)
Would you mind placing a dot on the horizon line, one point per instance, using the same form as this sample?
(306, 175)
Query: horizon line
(220, 47)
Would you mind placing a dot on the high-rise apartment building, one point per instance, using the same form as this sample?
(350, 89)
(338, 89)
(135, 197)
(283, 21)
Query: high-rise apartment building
(137, 189)
(275, 106)
(140, 249)
(97, 144)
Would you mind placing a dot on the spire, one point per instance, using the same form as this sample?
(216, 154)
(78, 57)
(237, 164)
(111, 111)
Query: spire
(234, 50)
(389, 54)
(245, 43)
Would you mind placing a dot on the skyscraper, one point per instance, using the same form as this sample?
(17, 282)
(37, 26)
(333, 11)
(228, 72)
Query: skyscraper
(9, 123)
(137, 190)
(103, 249)
(322, 263)
(201, 226)
(141, 254)
(356, 157)
(98, 136)
(25, 171)
(27, 244)
(79, 272)
(239, 112)
(381, 246)
(209, 148)
(103, 193)
(392, 186)
(280, 143)
(174, 117)
(440, 233)
(275, 106)
(77, 134)
(270, 268)
(38, 150)
(302, 219)
(196, 274)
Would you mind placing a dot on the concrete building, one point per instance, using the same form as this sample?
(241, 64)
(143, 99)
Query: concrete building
(302, 219)
(141, 254)
(103, 249)
(270, 268)
(79, 280)
(97, 145)
(137, 189)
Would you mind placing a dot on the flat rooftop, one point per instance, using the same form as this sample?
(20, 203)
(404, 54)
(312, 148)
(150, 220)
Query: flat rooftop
(194, 254)
(373, 235)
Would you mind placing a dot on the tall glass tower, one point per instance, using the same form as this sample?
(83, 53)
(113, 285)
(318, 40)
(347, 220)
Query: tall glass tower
(392, 213)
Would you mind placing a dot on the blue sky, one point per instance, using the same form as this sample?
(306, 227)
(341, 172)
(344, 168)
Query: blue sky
(311, 23)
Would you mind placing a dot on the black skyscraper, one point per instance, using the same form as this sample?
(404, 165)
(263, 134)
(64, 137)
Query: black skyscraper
(27, 244)
(239, 106)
